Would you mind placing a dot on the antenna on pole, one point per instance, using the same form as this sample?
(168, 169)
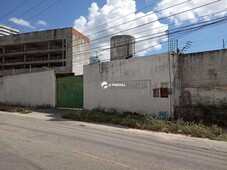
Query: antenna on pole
(223, 41)
(170, 46)
(175, 46)
(188, 44)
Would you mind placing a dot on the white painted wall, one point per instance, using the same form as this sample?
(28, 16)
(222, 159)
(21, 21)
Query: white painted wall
(35, 89)
(141, 75)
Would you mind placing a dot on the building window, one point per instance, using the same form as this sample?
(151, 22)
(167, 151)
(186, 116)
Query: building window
(164, 92)
(156, 93)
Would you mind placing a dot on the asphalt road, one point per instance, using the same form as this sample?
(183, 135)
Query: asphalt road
(42, 141)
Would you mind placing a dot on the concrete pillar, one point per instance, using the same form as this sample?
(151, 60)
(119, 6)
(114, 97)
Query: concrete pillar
(3, 61)
(25, 49)
(24, 60)
(48, 57)
(62, 55)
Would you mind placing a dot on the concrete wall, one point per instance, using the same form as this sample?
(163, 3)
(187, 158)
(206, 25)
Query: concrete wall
(204, 77)
(38, 36)
(80, 52)
(122, 47)
(137, 76)
(35, 89)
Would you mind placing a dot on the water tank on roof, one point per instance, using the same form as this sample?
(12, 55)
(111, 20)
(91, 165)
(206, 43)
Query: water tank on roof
(122, 47)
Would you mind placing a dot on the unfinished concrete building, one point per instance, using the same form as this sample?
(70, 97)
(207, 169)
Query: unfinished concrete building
(63, 50)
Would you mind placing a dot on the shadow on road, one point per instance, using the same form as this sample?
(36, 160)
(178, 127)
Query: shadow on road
(51, 114)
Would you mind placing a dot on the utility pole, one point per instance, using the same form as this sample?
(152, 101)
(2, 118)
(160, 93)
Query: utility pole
(180, 70)
(170, 79)
(175, 47)
(174, 56)
(223, 41)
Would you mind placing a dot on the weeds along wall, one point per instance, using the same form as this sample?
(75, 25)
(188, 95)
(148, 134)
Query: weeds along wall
(135, 85)
(34, 89)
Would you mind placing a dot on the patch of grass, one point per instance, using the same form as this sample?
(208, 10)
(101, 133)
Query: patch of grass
(222, 137)
(134, 120)
(23, 110)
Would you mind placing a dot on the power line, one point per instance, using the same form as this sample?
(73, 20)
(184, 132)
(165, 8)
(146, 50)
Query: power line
(124, 30)
(135, 53)
(201, 27)
(178, 35)
(126, 15)
(211, 37)
(45, 9)
(170, 24)
(118, 32)
(163, 42)
(142, 17)
(151, 22)
(14, 9)
(50, 6)
(29, 10)
(163, 34)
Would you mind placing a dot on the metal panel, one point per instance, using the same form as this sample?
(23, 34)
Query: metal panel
(70, 92)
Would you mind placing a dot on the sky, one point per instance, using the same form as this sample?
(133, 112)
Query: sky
(153, 23)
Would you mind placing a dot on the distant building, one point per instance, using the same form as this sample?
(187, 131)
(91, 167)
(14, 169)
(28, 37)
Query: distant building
(63, 50)
(4, 30)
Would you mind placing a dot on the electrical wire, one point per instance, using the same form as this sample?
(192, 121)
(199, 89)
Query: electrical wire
(126, 15)
(140, 25)
(163, 34)
(169, 25)
(178, 35)
(45, 9)
(28, 11)
(182, 32)
(110, 35)
(141, 17)
(14, 9)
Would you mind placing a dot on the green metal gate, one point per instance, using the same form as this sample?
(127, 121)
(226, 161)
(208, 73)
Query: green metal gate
(70, 92)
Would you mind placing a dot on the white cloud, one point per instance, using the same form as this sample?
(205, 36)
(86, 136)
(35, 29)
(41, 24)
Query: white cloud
(192, 14)
(41, 22)
(21, 22)
(103, 18)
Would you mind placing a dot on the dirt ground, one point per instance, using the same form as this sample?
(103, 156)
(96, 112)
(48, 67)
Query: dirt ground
(52, 113)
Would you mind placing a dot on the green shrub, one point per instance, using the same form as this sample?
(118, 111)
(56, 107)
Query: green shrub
(134, 120)
(23, 110)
